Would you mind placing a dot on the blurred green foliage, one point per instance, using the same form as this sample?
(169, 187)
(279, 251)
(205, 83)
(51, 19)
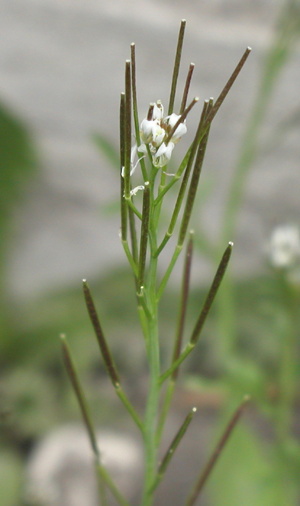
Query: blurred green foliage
(18, 163)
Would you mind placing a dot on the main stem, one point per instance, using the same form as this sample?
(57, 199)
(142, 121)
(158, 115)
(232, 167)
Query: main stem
(154, 388)
(153, 353)
(287, 383)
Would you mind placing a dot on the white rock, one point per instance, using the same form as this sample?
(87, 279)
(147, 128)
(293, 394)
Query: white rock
(60, 470)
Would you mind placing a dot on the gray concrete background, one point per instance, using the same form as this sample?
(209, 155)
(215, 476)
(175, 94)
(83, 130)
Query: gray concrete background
(61, 67)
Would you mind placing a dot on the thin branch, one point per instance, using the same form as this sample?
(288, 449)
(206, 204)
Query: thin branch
(123, 205)
(135, 107)
(212, 293)
(181, 119)
(103, 476)
(105, 351)
(187, 87)
(227, 87)
(203, 314)
(107, 357)
(205, 474)
(144, 234)
(176, 66)
(183, 303)
(127, 121)
(173, 446)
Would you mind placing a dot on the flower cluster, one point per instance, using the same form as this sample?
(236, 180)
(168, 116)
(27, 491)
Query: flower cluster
(158, 133)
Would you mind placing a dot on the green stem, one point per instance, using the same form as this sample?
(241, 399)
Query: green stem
(103, 477)
(130, 258)
(187, 163)
(132, 207)
(205, 474)
(187, 87)
(173, 446)
(203, 314)
(112, 487)
(169, 270)
(178, 337)
(154, 388)
(144, 235)
(175, 178)
(123, 206)
(287, 383)
(165, 408)
(153, 353)
(123, 397)
(135, 109)
(186, 351)
(107, 356)
(127, 131)
(181, 119)
(176, 66)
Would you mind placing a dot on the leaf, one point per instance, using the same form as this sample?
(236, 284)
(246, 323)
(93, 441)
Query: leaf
(17, 162)
(244, 474)
(10, 478)
(107, 149)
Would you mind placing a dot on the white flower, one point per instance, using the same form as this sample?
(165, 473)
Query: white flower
(171, 121)
(146, 130)
(284, 246)
(158, 136)
(152, 132)
(163, 154)
(155, 130)
(158, 111)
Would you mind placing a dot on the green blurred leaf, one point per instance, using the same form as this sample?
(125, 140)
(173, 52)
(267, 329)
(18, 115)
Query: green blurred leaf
(107, 149)
(17, 162)
(244, 475)
(10, 478)
(29, 398)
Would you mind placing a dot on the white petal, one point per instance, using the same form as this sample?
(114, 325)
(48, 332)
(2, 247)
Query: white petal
(133, 153)
(146, 130)
(142, 148)
(163, 154)
(158, 135)
(136, 189)
(179, 132)
(172, 119)
(158, 111)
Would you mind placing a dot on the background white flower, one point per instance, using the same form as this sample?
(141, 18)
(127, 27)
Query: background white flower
(284, 246)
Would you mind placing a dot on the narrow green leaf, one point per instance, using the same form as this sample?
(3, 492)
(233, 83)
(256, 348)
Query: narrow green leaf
(107, 149)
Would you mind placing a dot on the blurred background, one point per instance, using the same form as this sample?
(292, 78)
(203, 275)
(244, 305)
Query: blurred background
(62, 71)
